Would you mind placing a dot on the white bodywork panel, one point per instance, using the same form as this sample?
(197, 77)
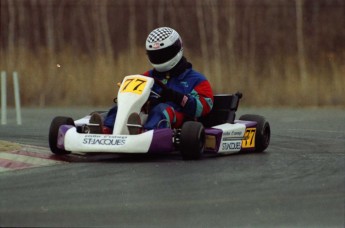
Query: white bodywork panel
(83, 121)
(231, 138)
(75, 142)
(132, 95)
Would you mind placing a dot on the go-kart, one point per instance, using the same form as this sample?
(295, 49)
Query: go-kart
(216, 133)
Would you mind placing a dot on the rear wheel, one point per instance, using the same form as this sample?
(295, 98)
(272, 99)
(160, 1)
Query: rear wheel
(263, 131)
(192, 140)
(54, 132)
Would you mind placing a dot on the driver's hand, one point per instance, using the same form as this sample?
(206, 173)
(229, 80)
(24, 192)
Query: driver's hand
(174, 96)
(168, 94)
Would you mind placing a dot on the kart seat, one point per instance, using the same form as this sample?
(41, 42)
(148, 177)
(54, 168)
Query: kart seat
(223, 111)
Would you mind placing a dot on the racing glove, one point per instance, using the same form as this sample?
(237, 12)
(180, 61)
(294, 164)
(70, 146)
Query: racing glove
(168, 94)
(174, 96)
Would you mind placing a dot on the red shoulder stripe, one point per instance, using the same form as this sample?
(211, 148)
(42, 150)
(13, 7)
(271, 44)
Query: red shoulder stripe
(205, 91)
(147, 73)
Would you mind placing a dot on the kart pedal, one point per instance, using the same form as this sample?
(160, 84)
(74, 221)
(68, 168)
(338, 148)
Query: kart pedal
(96, 123)
(134, 124)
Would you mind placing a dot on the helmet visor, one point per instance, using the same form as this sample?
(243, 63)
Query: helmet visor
(165, 54)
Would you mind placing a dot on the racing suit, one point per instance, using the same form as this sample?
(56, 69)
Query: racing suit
(185, 95)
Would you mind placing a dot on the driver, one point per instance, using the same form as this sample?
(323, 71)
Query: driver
(185, 94)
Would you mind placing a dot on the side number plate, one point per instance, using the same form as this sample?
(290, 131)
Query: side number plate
(249, 138)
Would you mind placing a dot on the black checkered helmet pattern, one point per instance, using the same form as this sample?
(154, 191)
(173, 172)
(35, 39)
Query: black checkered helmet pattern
(164, 48)
(159, 35)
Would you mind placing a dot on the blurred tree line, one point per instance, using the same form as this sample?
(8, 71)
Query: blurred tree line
(253, 42)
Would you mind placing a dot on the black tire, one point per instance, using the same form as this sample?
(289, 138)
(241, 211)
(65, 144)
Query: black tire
(54, 132)
(192, 140)
(263, 131)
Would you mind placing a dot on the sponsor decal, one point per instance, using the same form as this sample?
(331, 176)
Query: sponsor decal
(226, 133)
(233, 133)
(236, 133)
(230, 146)
(184, 84)
(110, 140)
(156, 45)
(165, 81)
(249, 138)
(184, 101)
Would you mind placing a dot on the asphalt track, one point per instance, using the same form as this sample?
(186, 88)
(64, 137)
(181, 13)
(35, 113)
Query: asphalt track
(298, 182)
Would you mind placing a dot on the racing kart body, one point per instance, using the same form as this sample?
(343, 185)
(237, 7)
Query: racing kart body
(217, 133)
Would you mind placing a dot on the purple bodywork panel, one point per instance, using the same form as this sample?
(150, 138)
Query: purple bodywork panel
(247, 123)
(162, 141)
(61, 136)
(218, 135)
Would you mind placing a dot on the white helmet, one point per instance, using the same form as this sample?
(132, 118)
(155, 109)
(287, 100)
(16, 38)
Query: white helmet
(164, 48)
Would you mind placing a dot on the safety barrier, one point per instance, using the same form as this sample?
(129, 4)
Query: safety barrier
(4, 97)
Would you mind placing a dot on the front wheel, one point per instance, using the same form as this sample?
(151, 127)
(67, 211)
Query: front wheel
(54, 133)
(263, 131)
(192, 140)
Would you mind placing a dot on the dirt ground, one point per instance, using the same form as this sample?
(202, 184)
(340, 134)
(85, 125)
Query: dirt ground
(8, 146)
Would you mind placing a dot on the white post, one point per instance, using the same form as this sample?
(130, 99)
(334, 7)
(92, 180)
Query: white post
(17, 98)
(3, 98)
